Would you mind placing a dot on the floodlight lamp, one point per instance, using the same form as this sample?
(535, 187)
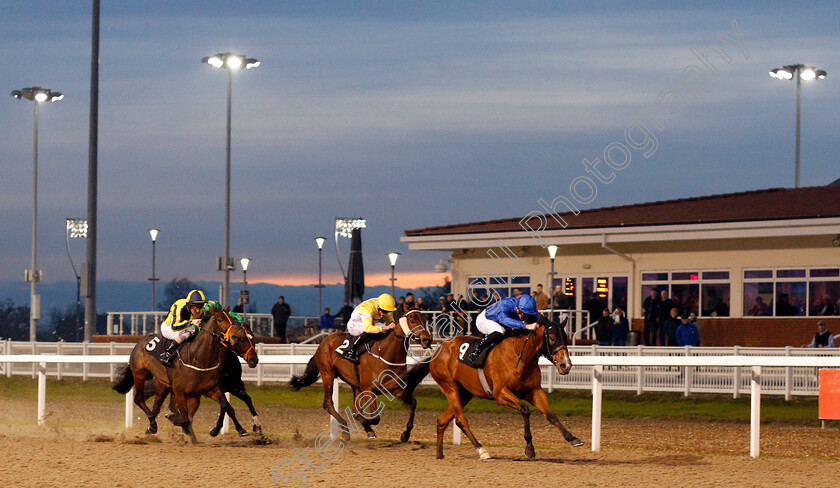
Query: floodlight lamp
(821, 74)
(77, 228)
(807, 74)
(233, 61)
(320, 242)
(392, 256)
(245, 262)
(552, 251)
(40, 96)
(214, 61)
(251, 63)
(154, 234)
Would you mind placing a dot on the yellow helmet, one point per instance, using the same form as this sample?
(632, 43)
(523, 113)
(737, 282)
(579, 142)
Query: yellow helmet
(196, 297)
(386, 302)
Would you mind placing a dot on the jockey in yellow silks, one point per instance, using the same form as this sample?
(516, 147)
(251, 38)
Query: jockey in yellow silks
(182, 322)
(367, 321)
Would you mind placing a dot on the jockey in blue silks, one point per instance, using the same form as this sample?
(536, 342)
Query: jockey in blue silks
(507, 314)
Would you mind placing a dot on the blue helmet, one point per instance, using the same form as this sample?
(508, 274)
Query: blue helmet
(527, 305)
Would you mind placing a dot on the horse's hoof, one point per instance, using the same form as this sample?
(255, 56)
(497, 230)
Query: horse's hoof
(345, 436)
(243, 433)
(151, 430)
(371, 435)
(405, 436)
(483, 454)
(214, 432)
(257, 429)
(439, 456)
(576, 442)
(529, 453)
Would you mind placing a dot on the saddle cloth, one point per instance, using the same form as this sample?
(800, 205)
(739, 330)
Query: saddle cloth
(348, 342)
(467, 348)
(156, 344)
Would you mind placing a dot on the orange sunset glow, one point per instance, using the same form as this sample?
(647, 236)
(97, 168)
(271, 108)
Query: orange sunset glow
(404, 280)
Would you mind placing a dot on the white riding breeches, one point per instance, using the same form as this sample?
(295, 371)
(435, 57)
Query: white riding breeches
(487, 326)
(179, 336)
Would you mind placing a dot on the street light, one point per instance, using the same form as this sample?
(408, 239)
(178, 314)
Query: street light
(320, 242)
(229, 62)
(33, 275)
(153, 279)
(392, 256)
(76, 229)
(800, 72)
(244, 294)
(552, 252)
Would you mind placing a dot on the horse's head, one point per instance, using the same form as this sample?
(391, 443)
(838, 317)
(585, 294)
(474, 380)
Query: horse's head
(236, 336)
(555, 345)
(414, 323)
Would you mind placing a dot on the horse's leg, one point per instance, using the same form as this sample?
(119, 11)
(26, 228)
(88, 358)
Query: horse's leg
(327, 378)
(508, 398)
(240, 393)
(160, 396)
(361, 419)
(140, 400)
(192, 406)
(178, 407)
(411, 402)
(454, 393)
(539, 399)
(225, 408)
(442, 423)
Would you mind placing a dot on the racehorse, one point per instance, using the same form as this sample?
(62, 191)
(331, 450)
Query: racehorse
(388, 353)
(512, 373)
(195, 373)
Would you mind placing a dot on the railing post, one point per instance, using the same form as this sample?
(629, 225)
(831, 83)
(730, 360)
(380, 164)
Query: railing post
(226, 421)
(334, 431)
(85, 366)
(260, 366)
(736, 380)
(42, 392)
(550, 379)
(8, 352)
(640, 373)
(113, 352)
(755, 411)
(58, 365)
(597, 372)
(34, 366)
(129, 408)
(788, 377)
(687, 374)
(108, 319)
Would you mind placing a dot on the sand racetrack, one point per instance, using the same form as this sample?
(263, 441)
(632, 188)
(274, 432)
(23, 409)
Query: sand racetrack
(84, 444)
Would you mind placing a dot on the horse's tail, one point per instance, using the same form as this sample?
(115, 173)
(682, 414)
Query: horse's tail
(307, 378)
(412, 378)
(125, 380)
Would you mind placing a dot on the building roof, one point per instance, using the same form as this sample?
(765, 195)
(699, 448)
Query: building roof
(771, 204)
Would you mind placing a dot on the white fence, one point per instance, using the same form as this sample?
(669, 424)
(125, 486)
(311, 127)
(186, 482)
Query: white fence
(140, 323)
(788, 381)
(599, 364)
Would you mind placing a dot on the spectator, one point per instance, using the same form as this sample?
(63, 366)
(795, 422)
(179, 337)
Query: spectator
(441, 306)
(239, 308)
(603, 328)
(825, 307)
(823, 337)
(665, 314)
(281, 313)
(517, 293)
(400, 309)
(594, 306)
(620, 328)
(542, 298)
(722, 310)
(421, 304)
(669, 328)
(650, 311)
(784, 308)
(345, 312)
(760, 308)
(326, 321)
(687, 333)
(692, 317)
(409, 300)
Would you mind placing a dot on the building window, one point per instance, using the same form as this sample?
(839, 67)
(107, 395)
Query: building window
(705, 293)
(502, 286)
(791, 292)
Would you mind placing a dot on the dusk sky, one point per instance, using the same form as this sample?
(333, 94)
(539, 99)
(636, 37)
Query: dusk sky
(409, 114)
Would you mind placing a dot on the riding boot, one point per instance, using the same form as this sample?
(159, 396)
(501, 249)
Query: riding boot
(168, 355)
(486, 342)
(352, 352)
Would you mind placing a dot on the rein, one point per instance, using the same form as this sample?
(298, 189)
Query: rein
(404, 338)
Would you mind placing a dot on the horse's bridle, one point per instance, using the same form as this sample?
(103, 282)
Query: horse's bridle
(224, 338)
(544, 350)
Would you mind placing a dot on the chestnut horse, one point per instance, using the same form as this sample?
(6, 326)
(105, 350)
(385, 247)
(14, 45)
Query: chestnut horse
(195, 372)
(388, 353)
(512, 373)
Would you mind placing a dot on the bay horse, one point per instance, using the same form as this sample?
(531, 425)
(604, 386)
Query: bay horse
(512, 373)
(196, 371)
(387, 354)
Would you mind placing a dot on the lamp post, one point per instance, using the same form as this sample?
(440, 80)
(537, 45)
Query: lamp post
(154, 233)
(33, 275)
(800, 72)
(244, 295)
(552, 252)
(229, 62)
(392, 256)
(320, 242)
(75, 229)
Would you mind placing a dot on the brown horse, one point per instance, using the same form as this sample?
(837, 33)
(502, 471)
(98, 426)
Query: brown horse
(387, 356)
(512, 373)
(195, 372)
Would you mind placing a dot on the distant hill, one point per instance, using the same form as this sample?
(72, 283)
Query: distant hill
(132, 296)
